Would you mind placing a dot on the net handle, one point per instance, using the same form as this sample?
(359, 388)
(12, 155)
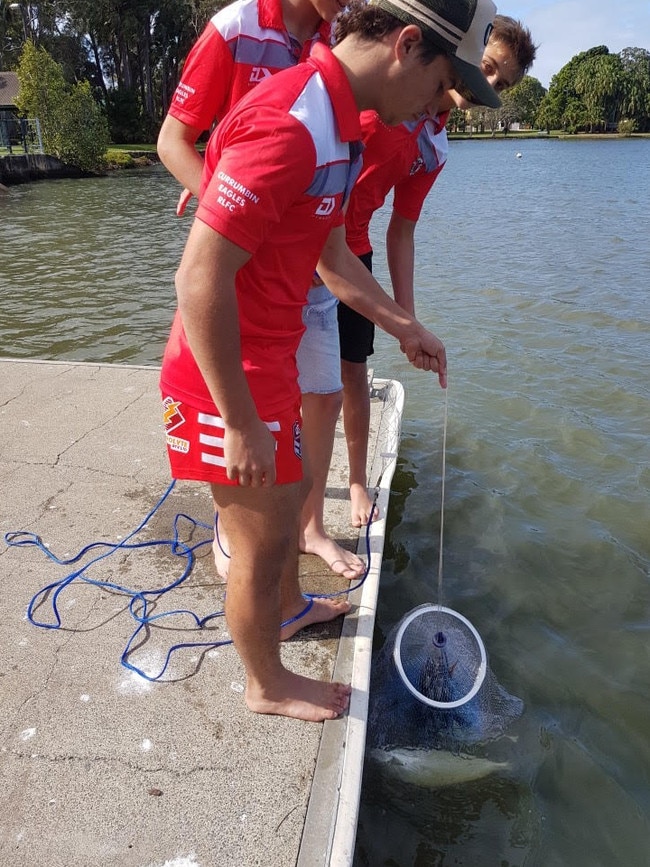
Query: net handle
(397, 658)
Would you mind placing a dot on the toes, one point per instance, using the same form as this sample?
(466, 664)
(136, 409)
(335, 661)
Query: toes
(347, 570)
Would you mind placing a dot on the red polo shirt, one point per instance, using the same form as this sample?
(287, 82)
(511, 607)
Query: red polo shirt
(277, 172)
(408, 158)
(240, 46)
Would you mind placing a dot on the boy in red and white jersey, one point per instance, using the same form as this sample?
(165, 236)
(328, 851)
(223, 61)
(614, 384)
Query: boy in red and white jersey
(406, 159)
(241, 45)
(241, 199)
(278, 170)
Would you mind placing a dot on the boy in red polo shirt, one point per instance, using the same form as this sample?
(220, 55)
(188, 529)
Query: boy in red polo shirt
(241, 45)
(277, 173)
(406, 159)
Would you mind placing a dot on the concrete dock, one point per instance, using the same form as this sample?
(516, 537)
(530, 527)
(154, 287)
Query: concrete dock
(157, 766)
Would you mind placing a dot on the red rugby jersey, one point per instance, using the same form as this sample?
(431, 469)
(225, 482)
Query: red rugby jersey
(278, 170)
(240, 46)
(408, 158)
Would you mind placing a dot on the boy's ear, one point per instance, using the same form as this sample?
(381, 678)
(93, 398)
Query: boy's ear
(409, 39)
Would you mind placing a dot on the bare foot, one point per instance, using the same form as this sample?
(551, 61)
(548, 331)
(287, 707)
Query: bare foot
(341, 562)
(320, 611)
(221, 559)
(299, 697)
(361, 508)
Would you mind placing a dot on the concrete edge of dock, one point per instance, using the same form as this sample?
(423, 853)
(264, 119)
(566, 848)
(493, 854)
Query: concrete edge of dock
(331, 823)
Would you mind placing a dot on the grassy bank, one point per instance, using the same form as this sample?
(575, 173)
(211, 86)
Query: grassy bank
(131, 156)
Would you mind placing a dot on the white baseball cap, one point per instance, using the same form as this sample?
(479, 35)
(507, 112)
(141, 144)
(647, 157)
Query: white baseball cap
(459, 27)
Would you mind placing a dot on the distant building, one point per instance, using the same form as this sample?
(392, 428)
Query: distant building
(9, 122)
(9, 87)
(16, 134)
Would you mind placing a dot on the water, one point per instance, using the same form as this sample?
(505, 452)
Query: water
(87, 267)
(535, 272)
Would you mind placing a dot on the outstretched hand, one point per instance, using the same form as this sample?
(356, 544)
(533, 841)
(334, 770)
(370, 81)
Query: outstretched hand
(426, 352)
(183, 199)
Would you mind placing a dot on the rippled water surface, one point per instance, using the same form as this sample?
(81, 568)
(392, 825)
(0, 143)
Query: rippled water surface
(88, 267)
(535, 272)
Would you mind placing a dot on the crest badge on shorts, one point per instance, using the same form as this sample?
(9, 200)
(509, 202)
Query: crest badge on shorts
(297, 445)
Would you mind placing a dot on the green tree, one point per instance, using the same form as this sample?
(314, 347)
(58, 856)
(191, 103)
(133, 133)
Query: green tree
(548, 115)
(42, 90)
(135, 49)
(562, 105)
(636, 98)
(575, 117)
(457, 120)
(526, 97)
(599, 83)
(82, 133)
(518, 105)
(504, 116)
(73, 126)
(478, 118)
(12, 35)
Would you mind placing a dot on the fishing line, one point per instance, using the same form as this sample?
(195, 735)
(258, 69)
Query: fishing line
(442, 494)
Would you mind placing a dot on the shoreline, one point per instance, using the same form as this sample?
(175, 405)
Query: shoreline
(18, 169)
(536, 135)
(24, 168)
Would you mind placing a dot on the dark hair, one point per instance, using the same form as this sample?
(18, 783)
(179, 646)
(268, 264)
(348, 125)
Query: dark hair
(372, 23)
(515, 36)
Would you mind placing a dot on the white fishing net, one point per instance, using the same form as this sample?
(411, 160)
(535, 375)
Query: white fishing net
(432, 686)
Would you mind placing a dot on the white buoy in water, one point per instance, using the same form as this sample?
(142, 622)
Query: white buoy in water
(518, 155)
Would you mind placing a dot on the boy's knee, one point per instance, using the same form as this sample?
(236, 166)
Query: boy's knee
(334, 403)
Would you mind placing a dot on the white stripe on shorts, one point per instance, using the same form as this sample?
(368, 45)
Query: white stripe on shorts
(218, 461)
(217, 421)
(213, 420)
(211, 441)
(216, 442)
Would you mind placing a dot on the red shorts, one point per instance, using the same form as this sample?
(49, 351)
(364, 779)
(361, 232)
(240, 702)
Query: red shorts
(195, 444)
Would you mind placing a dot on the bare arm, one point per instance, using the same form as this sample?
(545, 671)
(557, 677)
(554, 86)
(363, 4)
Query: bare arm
(348, 278)
(207, 301)
(400, 252)
(177, 151)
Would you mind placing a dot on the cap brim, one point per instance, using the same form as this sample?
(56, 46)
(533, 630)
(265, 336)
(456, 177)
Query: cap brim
(476, 83)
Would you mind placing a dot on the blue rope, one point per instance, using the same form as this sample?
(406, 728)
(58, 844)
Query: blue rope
(142, 599)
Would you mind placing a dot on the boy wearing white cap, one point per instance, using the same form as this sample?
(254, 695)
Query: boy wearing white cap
(406, 159)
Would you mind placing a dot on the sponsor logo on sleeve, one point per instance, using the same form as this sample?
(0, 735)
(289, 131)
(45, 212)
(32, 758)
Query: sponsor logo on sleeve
(183, 92)
(233, 194)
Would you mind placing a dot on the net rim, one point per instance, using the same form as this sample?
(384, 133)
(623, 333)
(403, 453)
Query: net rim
(482, 670)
